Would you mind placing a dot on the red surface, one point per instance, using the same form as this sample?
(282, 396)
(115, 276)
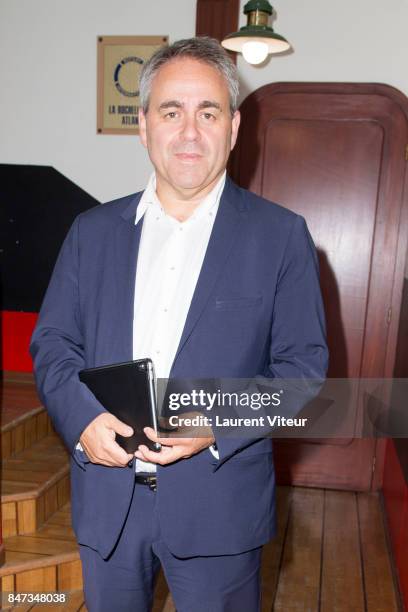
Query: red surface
(402, 557)
(16, 330)
(395, 491)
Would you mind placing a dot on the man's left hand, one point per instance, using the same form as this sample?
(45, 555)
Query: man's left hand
(172, 449)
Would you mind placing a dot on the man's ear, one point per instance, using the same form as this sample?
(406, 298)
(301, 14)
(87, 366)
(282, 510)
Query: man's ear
(142, 127)
(236, 120)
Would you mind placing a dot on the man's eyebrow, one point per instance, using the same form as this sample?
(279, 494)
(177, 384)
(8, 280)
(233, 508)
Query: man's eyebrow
(170, 104)
(177, 104)
(209, 104)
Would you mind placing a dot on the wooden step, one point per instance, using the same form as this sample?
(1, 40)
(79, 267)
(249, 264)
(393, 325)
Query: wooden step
(23, 421)
(34, 484)
(24, 431)
(47, 560)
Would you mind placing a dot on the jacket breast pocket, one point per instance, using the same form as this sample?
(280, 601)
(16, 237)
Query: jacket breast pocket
(238, 303)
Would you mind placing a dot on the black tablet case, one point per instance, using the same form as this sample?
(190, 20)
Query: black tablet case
(124, 390)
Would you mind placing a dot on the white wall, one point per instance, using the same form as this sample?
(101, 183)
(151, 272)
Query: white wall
(48, 72)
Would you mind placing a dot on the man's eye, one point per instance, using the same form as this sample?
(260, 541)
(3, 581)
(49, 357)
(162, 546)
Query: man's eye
(171, 115)
(208, 116)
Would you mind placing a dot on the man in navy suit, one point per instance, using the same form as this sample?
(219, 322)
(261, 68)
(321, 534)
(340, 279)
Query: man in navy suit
(210, 281)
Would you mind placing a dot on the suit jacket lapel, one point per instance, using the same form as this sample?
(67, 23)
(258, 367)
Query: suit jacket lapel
(127, 240)
(229, 219)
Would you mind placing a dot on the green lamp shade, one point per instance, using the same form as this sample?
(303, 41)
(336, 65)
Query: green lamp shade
(275, 42)
(257, 39)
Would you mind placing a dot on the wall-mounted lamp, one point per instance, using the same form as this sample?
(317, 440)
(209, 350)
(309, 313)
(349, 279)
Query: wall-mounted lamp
(257, 39)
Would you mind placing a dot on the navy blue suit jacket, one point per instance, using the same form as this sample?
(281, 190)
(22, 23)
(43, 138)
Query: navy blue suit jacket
(256, 310)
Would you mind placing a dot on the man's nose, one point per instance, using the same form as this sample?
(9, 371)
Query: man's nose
(190, 129)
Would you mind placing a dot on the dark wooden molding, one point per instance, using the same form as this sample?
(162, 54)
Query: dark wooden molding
(217, 18)
(401, 371)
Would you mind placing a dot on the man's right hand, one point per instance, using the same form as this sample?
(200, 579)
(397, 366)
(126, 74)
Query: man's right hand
(98, 441)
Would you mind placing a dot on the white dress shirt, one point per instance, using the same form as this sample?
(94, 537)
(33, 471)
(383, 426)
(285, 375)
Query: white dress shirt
(169, 262)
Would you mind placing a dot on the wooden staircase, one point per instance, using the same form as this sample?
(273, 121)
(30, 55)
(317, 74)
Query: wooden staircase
(41, 554)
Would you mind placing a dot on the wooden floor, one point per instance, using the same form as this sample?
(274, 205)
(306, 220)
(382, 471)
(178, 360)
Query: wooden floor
(330, 555)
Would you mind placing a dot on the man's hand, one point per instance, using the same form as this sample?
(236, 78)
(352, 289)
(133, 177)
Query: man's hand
(98, 441)
(172, 448)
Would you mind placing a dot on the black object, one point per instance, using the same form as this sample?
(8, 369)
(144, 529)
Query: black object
(127, 390)
(38, 206)
(147, 479)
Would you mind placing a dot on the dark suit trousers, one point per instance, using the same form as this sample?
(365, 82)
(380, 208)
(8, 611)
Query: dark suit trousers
(125, 581)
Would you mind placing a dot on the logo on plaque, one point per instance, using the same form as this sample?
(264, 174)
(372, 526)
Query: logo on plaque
(129, 72)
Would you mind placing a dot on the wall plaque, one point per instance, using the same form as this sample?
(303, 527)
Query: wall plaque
(120, 60)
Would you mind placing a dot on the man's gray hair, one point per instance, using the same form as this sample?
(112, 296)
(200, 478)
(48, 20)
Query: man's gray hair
(201, 48)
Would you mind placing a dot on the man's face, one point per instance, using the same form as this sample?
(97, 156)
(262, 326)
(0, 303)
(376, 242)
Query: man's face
(188, 129)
